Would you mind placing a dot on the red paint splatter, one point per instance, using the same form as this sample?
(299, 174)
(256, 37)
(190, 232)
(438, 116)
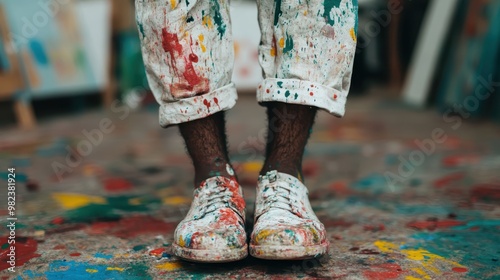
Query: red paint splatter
(448, 180)
(337, 223)
(192, 82)
(25, 251)
(59, 247)
(76, 254)
(369, 252)
(65, 228)
(157, 252)
(268, 91)
(340, 187)
(228, 217)
(310, 168)
(460, 160)
(193, 57)
(432, 225)
(374, 228)
(171, 43)
(216, 101)
(311, 93)
(460, 269)
(486, 192)
(384, 271)
(334, 96)
(117, 185)
(131, 227)
(237, 199)
(206, 103)
(58, 221)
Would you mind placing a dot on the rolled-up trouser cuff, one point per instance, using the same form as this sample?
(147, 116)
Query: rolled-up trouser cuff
(301, 92)
(197, 107)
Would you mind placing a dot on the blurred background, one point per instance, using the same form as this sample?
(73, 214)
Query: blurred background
(101, 187)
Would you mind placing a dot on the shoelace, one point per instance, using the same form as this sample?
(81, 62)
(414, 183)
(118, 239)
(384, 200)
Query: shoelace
(212, 199)
(279, 195)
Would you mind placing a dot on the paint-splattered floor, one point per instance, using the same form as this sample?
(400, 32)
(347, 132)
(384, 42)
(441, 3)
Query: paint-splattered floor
(113, 214)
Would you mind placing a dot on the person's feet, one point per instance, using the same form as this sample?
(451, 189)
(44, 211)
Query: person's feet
(214, 228)
(285, 227)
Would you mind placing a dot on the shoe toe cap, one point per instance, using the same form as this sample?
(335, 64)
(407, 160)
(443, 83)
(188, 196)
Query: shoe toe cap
(299, 235)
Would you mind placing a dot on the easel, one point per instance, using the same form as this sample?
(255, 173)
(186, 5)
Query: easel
(11, 80)
(20, 74)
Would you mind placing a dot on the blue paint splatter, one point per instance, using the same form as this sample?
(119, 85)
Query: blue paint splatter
(39, 52)
(103, 256)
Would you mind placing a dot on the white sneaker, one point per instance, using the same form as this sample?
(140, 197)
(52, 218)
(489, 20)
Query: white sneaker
(214, 228)
(285, 227)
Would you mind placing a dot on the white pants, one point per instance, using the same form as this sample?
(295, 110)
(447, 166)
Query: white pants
(306, 52)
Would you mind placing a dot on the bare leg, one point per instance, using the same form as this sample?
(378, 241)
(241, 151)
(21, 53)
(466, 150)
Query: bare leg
(289, 129)
(206, 144)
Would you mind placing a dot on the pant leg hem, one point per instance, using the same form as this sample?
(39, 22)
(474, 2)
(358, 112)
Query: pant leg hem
(302, 92)
(197, 107)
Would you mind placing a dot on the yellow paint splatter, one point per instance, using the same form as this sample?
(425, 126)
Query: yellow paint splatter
(263, 234)
(173, 4)
(115, 268)
(182, 243)
(135, 201)
(305, 12)
(425, 260)
(353, 35)
(169, 266)
(252, 166)
(207, 21)
(89, 270)
(385, 247)
(201, 38)
(70, 201)
(166, 192)
(176, 200)
(282, 42)
(411, 278)
(273, 51)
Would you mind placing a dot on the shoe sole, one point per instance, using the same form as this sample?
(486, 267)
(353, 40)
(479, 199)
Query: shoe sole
(277, 252)
(210, 256)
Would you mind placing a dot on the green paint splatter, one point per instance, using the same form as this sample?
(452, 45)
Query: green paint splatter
(141, 29)
(5, 246)
(329, 4)
(289, 44)
(280, 84)
(113, 210)
(139, 247)
(277, 12)
(215, 11)
(287, 93)
(190, 19)
(296, 96)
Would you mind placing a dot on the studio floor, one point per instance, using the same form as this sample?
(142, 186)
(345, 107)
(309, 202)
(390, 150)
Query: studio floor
(404, 194)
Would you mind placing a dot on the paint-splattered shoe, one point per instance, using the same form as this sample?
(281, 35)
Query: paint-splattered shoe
(214, 228)
(286, 227)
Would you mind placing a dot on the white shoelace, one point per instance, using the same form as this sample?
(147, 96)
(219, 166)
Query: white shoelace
(212, 199)
(278, 195)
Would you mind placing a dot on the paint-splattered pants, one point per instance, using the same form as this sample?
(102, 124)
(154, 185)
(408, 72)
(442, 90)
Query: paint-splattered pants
(306, 53)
